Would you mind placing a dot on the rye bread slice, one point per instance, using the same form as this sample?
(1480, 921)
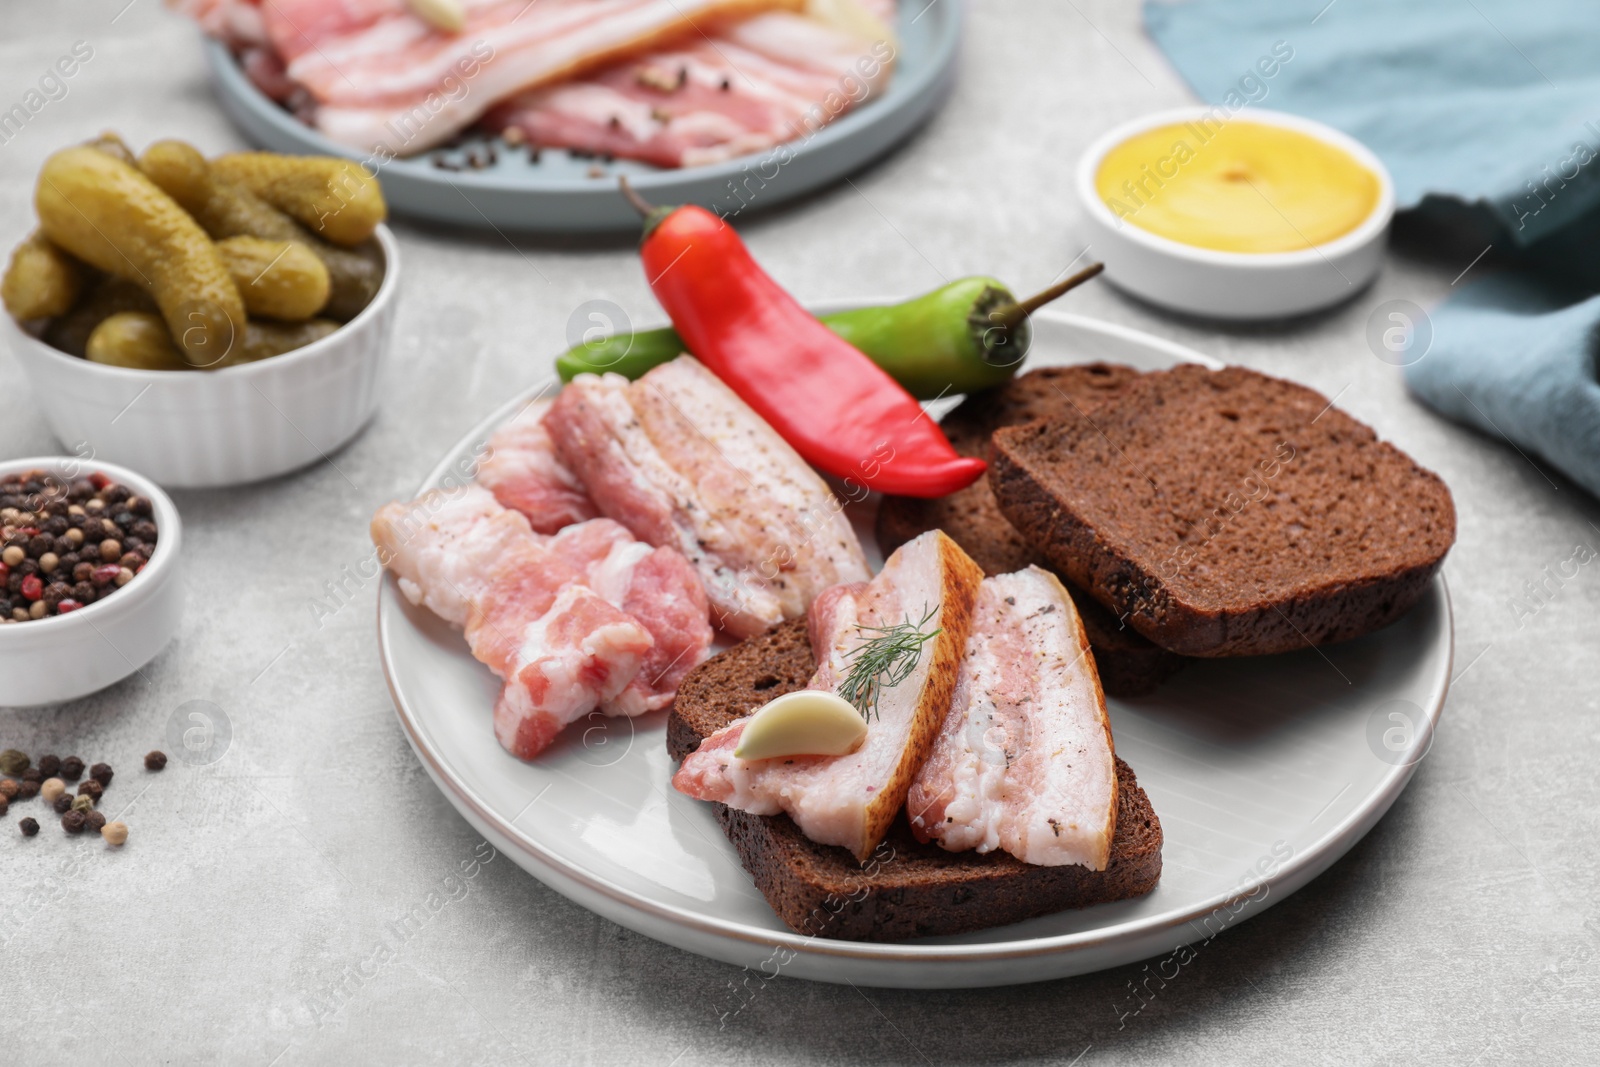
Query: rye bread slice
(907, 889)
(1228, 513)
(1129, 665)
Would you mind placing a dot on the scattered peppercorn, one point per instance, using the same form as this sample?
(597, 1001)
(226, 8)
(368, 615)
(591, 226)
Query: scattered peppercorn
(101, 772)
(51, 788)
(115, 833)
(72, 822)
(49, 766)
(62, 803)
(155, 760)
(94, 821)
(27, 790)
(83, 802)
(91, 788)
(5, 804)
(32, 775)
(13, 762)
(8, 789)
(29, 827)
(72, 768)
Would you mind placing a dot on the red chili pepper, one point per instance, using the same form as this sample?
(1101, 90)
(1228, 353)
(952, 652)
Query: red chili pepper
(840, 411)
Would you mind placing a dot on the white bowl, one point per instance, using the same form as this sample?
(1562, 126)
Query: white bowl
(1234, 285)
(64, 657)
(202, 429)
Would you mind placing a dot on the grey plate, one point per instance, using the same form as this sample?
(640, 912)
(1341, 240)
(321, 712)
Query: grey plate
(1263, 771)
(557, 194)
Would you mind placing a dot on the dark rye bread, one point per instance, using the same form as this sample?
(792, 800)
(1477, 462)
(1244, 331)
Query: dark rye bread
(1228, 513)
(906, 889)
(1128, 663)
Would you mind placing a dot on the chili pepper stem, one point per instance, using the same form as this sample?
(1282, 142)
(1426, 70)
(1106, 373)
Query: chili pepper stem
(653, 216)
(640, 204)
(1013, 315)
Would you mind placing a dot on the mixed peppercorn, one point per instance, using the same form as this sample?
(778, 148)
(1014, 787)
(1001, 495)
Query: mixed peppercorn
(68, 544)
(48, 779)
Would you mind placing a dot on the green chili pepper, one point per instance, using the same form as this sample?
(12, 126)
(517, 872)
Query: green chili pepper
(968, 335)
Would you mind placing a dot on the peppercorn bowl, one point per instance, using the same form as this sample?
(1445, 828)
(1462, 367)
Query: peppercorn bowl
(200, 429)
(62, 657)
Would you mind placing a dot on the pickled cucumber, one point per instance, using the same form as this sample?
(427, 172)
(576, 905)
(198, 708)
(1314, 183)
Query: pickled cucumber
(339, 200)
(224, 209)
(112, 217)
(138, 340)
(263, 340)
(112, 144)
(42, 281)
(278, 279)
(106, 296)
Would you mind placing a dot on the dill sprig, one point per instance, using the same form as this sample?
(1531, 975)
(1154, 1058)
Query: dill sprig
(884, 661)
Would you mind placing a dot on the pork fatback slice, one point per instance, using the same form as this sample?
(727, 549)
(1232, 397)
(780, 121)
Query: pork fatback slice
(852, 800)
(385, 80)
(524, 473)
(561, 649)
(682, 462)
(1025, 761)
(752, 85)
(654, 585)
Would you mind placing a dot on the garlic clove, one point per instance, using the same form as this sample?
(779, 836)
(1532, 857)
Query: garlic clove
(808, 722)
(446, 15)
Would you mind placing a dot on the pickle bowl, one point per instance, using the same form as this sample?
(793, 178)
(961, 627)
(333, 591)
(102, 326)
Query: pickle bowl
(1233, 285)
(203, 429)
(63, 657)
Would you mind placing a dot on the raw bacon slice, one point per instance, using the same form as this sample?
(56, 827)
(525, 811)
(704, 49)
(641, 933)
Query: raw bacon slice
(682, 462)
(561, 649)
(524, 473)
(385, 80)
(1024, 762)
(753, 85)
(852, 800)
(654, 585)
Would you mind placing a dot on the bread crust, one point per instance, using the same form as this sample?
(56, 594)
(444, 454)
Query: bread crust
(906, 888)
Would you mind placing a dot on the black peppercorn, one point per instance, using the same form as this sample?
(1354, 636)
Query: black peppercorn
(27, 790)
(72, 822)
(29, 827)
(93, 821)
(32, 775)
(155, 760)
(91, 788)
(62, 802)
(72, 768)
(101, 772)
(49, 766)
(5, 804)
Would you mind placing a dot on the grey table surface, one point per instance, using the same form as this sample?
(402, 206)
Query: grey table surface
(240, 923)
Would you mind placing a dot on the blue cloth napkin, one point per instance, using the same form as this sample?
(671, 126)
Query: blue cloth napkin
(1486, 112)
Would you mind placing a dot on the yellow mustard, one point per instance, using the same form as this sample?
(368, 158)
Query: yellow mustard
(1237, 186)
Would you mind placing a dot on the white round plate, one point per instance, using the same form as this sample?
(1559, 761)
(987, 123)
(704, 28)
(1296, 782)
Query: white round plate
(569, 194)
(1262, 771)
